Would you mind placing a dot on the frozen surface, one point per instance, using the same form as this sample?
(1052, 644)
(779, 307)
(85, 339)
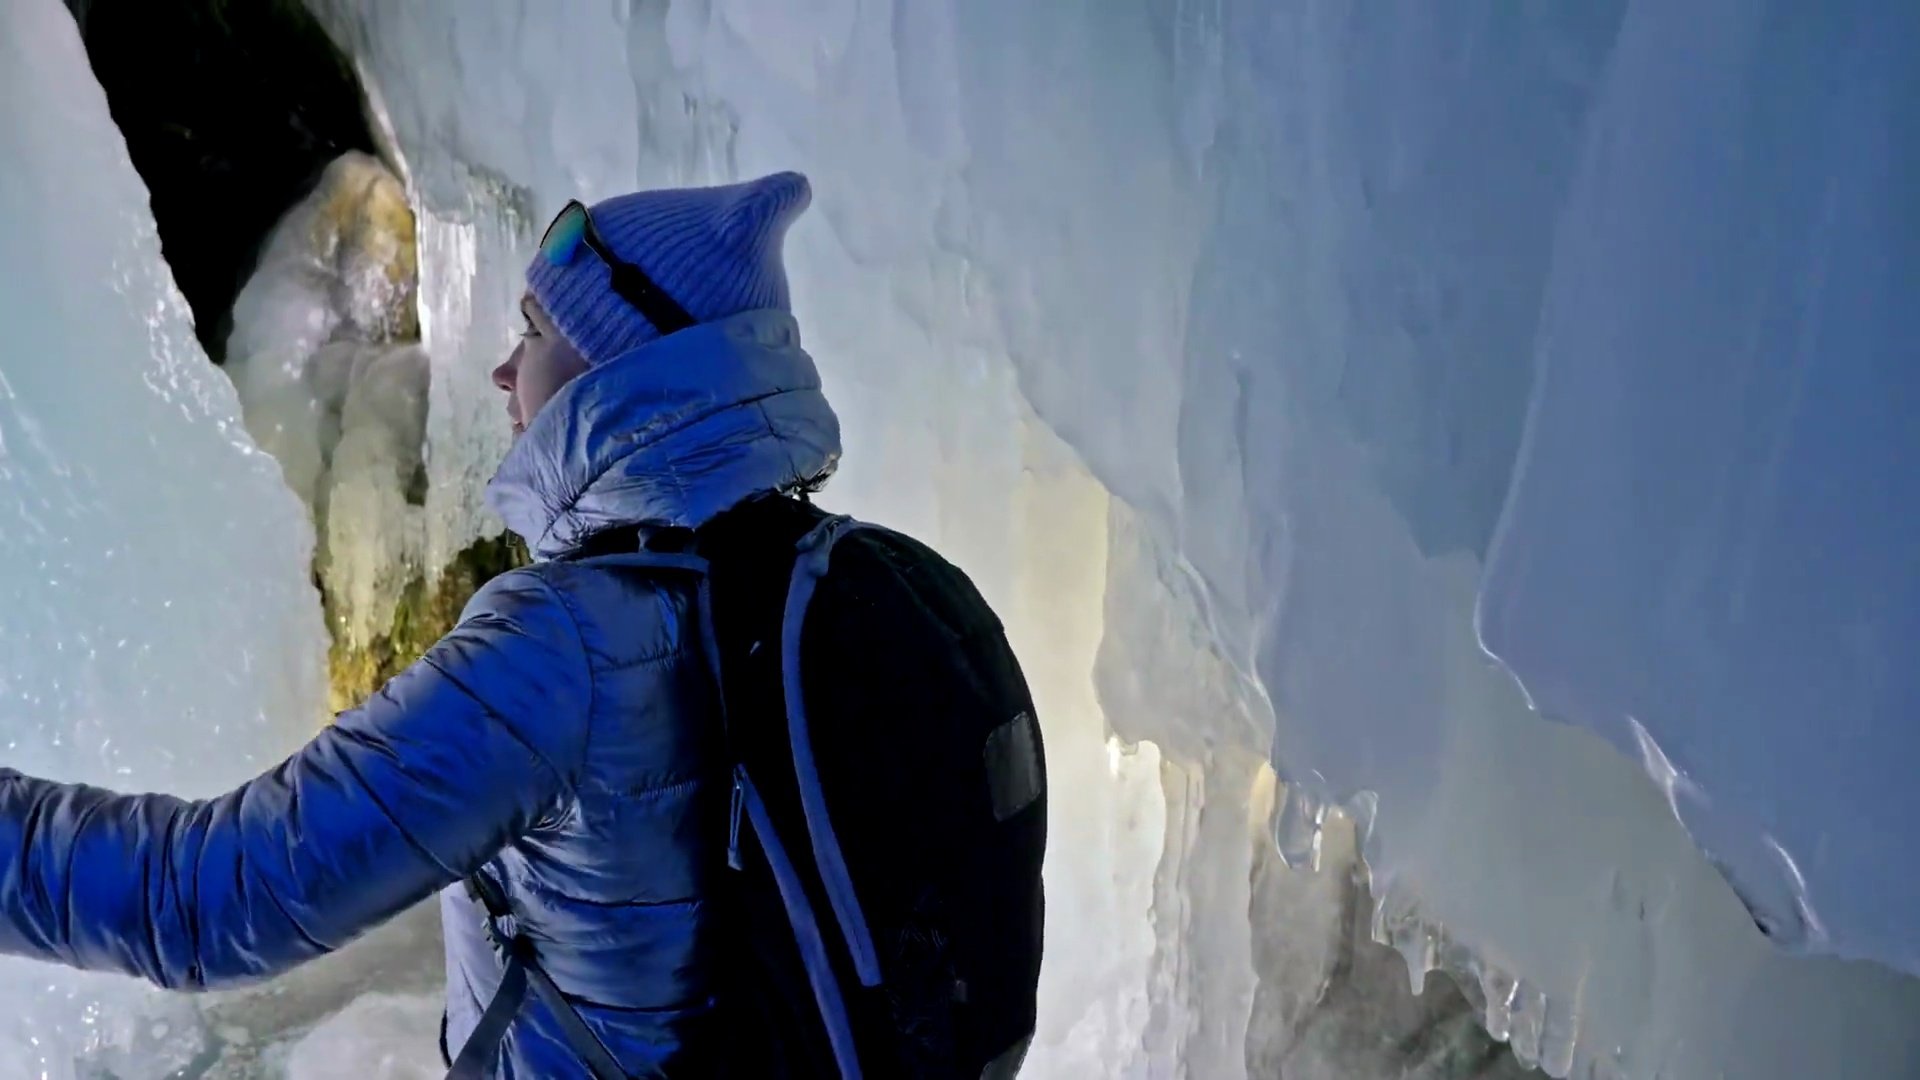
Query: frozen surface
(1712, 549)
(377, 1037)
(1218, 339)
(154, 583)
(351, 1013)
(331, 386)
(1281, 275)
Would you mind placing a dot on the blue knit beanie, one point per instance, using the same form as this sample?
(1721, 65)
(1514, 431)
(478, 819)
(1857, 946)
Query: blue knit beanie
(715, 250)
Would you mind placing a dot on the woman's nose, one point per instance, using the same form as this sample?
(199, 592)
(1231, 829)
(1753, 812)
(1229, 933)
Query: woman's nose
(504, 375)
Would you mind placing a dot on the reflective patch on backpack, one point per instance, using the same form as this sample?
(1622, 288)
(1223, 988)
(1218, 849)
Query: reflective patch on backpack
(1015, 777)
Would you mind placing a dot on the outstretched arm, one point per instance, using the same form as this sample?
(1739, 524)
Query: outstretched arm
(456, 757)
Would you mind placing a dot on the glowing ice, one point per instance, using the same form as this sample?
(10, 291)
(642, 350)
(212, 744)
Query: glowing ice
(159, 629)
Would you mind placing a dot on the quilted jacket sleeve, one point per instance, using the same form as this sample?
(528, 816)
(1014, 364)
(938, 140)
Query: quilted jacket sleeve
(466, 750)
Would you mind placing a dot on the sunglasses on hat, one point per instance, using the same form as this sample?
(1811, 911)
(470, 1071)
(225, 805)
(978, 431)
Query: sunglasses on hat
(572, 229)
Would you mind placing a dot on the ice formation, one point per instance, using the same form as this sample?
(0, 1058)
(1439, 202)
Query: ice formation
(1245, 351)
(1710, 550)
(333, 385)
(1281, 278)
(160, 630)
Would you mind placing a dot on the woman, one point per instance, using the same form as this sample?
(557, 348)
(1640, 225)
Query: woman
(559, 745)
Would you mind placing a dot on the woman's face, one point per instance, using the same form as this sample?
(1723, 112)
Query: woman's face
(539, 366)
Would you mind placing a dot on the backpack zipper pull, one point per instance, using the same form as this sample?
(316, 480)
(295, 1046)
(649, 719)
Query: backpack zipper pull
(733, 823)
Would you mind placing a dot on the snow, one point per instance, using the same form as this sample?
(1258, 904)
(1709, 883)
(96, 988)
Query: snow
(1280, 276)
(155, 580)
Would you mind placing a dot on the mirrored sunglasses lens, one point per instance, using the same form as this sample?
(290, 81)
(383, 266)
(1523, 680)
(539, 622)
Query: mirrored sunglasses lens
(562, 241)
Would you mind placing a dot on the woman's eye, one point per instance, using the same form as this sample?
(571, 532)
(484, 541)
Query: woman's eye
(531, 330)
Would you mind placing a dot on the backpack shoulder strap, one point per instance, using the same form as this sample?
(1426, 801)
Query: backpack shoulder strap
(812, 550)
(815, 554)
(806, 929)
(522, 972)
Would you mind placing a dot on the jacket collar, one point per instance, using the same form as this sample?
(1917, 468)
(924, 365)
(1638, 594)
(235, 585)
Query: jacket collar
(671, 434)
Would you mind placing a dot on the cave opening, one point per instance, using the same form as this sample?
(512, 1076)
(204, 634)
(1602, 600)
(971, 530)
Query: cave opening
(231, 111)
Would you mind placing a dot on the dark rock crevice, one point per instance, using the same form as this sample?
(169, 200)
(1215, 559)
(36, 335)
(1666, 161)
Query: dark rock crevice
(230, 109)
(426, 611)
(234, 111)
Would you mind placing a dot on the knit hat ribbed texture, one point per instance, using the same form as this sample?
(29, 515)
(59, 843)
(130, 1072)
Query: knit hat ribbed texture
(714, 250)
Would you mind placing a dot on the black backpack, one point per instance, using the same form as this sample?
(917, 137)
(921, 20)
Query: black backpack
(889, 808)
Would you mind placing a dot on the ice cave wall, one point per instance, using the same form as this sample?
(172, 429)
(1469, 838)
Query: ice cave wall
(158, 627)
(1218, 340)
(1266, 289)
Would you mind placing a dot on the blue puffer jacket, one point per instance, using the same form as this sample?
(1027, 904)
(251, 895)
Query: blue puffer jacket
(562, 739)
